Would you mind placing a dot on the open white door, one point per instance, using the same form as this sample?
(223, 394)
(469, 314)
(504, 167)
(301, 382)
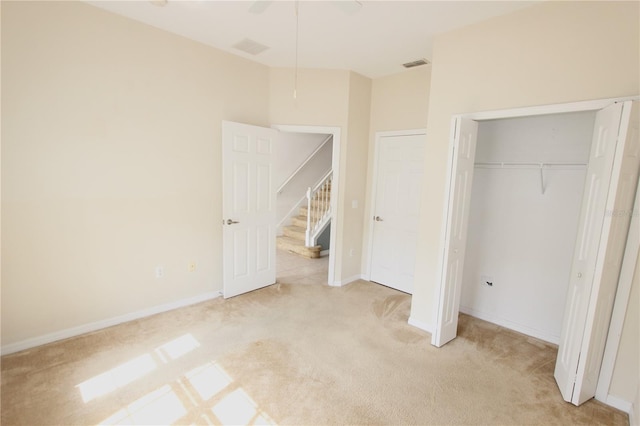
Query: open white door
(248, 208)
(450, 278)
(398, 180)
(610, 186)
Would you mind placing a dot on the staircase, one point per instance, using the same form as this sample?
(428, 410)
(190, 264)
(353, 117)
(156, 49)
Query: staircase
(312, 219)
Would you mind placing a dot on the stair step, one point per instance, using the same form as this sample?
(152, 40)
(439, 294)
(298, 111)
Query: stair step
(296, 232)
(295, 246)
(300, 221)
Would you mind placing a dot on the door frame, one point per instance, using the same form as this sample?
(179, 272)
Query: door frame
(623, 293)
(583, 106)
(374, 187)
(335, 187)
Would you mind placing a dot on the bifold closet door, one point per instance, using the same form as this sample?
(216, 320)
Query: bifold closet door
(460, 182)
(612, 176)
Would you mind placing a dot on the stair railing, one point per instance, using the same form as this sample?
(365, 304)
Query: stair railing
(318, 209)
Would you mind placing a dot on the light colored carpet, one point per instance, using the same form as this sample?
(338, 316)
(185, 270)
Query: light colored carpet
(291, 354)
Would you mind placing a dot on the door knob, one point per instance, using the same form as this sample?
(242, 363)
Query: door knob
(231, 222)
(378, 219)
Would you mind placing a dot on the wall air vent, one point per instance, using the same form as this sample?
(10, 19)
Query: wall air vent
(249, 46)
(415, 63)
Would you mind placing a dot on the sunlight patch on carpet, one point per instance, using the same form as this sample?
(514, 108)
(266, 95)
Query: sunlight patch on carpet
(177, 347)
(116, 378)
(238, 408)
(208, 380)
(161, 406)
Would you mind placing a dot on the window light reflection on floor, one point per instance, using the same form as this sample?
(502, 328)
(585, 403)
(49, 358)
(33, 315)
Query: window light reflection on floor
(208, 380)
(177, 347)
(132, 370)
(159, 407)
(116, 378)
(238, 408)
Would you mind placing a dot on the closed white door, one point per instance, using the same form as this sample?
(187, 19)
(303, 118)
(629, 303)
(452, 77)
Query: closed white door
(457, 220)
(398, 181)
(248, 208)
(611, 182)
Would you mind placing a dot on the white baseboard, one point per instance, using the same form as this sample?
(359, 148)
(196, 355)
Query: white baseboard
(511, 325)
(620, 404)
(421, 325)
(324, 253)
(98, 325)
(349, 280)
(633, 420)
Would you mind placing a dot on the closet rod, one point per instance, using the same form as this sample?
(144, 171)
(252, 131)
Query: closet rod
(512, 165)
(539, 166)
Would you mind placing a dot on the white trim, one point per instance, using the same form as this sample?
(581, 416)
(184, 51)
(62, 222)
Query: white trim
(304, 163)
(335, 187)
(502, 322)
(348, 280)
(109, 322)
(633, 420)
(323, 253)
(409, 132)
(374, 187)
(619, 403)
(420, 324)
(625, 282)
(592, 105)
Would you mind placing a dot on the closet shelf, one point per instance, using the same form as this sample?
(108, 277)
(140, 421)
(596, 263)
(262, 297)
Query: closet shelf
(539, 166)
(509, 165)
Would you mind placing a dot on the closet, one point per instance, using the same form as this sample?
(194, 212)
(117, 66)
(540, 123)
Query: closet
(528, 183)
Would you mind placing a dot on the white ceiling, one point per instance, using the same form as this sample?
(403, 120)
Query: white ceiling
(374, 39)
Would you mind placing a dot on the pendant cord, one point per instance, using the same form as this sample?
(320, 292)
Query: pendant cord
(295, 79)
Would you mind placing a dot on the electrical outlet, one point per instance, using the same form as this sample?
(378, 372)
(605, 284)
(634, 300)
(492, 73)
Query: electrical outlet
(352, 252)
(192, 267)
(159, 271)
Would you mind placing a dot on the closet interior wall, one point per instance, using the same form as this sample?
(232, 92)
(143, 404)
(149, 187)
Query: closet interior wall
(523, 221)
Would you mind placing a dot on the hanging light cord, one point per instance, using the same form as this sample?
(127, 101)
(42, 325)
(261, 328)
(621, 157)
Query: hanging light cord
(295, 78)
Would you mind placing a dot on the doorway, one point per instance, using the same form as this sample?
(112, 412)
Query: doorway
(334, 133)
(529, 177)
(612, 173)
(249, 224)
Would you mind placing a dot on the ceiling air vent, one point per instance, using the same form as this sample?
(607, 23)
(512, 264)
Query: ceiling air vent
(415, 63)
(249, 46)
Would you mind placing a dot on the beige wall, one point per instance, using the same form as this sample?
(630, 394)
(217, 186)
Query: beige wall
(110, 164)
(322, 97)
(355, 172)
(550, 53)
(111, 161)
(398, 102)
(339, 99)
